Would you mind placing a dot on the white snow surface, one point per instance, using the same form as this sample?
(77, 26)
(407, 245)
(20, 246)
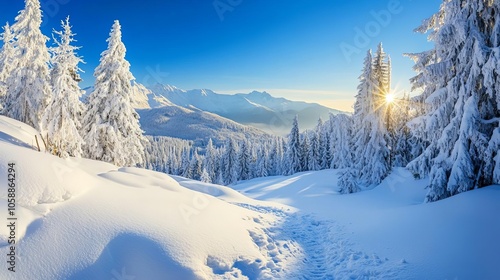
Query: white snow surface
(84, 219)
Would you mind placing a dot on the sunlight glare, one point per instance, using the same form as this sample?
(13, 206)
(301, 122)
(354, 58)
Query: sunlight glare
(389, 98)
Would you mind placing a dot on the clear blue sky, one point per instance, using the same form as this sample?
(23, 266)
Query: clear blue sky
(289, 48)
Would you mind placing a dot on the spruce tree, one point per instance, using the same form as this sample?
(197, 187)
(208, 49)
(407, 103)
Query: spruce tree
(229, 164)
(6, 57)
(244, 159)
(304, 152)
(341, 141)
(61, 120)
(293, 151)
(460, 83)
(313, 157)
(111, 125)
(28, 85)
(210, 161)
(205, 177)
(371, 156)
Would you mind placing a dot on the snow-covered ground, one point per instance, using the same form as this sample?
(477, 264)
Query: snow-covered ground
(83, 219)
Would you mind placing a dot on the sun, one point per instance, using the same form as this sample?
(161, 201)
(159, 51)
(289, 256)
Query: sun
(390, 98)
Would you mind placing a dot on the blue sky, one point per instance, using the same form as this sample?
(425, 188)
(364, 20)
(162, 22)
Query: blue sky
(302, 49)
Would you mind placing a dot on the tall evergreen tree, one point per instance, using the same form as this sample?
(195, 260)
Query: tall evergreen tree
(195, 167)
(111, 125)
(400, 132)
(61, 119)
(293, 151)
(205, 177)
(262, 168)
(7, 54)
(229, 164)
(375, 153)
(209, 163)
(28, 85)
(244, 159)
(341, 141)
(371, 153)
(304, 152)
(325, 151)
(313, 157)
(460, 82)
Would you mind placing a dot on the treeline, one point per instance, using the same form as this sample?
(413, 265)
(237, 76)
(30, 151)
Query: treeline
(39, 86)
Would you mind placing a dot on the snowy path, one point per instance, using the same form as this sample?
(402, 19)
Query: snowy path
(302, 247)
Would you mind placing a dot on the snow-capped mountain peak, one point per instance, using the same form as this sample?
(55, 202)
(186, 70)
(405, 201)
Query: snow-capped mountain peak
(259, 109)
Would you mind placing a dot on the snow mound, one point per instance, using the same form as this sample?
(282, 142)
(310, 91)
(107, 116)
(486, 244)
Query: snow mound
(18, 133)
(84, 219)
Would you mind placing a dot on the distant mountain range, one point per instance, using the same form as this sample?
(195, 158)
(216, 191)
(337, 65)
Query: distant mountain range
(201, 114)
(258, 109)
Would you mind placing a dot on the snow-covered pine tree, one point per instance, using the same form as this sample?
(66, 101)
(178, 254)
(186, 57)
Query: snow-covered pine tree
(371, 154)
(210, 160)
(460, 81)
(313, 157)
(28, 85)
(382, 77)
(348, 181)
(304, 152)
(361, 129)
(293, 151)
(61, 120)
(195, 167)
(6, 56)
(276, 157)
(244, 161)
(262, 164)
(341, 141)
(111, 125)
(229, 163)
(325, 151)
(205, 177)
(184, 162)
(375, 154)
(362, 109)
(400, 132)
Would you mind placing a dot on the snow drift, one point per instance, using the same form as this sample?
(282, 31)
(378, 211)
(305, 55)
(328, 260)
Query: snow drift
(84, 219)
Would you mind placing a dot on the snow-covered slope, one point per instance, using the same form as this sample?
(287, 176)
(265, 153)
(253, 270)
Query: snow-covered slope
(256, 109)
(16, 132)
(160, 117)
(192, 124)
(84, 219)
(259, 109)
(142, 97)
(456, 238)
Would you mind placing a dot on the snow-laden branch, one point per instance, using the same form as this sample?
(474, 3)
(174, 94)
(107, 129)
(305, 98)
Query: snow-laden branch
(494, 120)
